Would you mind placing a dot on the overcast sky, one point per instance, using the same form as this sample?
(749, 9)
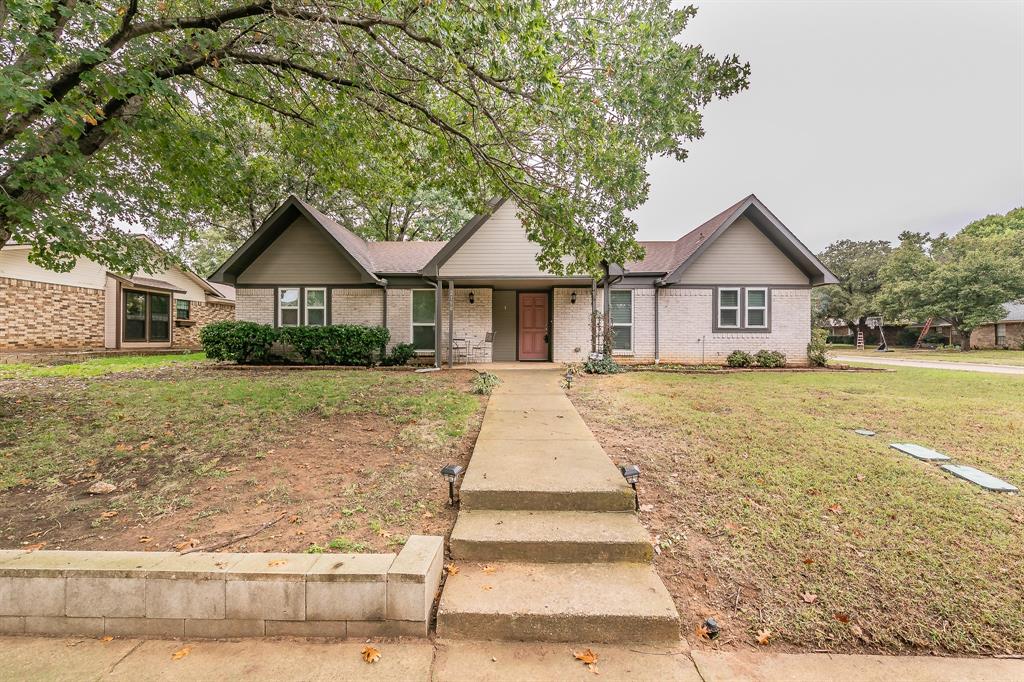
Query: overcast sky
(862, 119)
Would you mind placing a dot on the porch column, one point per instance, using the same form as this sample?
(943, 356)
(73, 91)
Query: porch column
(593, 315)
(451, 322)
(605, 323)
(657, 355)
(437, 323)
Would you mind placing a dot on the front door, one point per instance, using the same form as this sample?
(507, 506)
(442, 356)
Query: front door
(533, 325)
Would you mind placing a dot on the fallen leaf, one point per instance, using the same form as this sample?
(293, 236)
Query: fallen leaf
(808, 561)
(836, 508)
(701, 631)
(92, 463)
(587, 656)
(857, 632)
(181, 545)
(145, 446)
(452, 569)
(763, 636)
(841, 617)
(277, 562)
(809, 597)
(108, 514)
(32, 548)
(107, 638)
(145, 538)
(489, 569)
(371, 654)
(487, 588)
(122, 447)
(732, 527)
(861, 477)
(295, 519)
(427, 515)
(181, 653)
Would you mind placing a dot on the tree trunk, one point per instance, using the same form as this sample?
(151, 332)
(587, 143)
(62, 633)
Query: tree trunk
(965, 340)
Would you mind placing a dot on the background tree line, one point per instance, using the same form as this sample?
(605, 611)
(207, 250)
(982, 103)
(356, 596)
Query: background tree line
(964, 278)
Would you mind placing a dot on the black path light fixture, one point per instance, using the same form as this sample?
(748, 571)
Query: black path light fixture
(451, 473)
(631, 473)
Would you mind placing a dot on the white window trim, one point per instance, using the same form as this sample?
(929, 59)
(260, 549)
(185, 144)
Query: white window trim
(413, 323)
(297, 308)
(739, 305)
(305, 300)
(746, 308)
(632, 317)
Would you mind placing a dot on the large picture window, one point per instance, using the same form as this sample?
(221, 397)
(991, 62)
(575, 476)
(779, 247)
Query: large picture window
(287, 307)
(743, 309)
(423, 319)
(622, 319)
(147, 316)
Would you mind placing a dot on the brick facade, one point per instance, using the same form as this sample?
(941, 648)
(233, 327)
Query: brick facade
(40, 316)
(203, 314)
(572, 336)
(357, 306)
(985, 336)
(472, 320)
(254, 305)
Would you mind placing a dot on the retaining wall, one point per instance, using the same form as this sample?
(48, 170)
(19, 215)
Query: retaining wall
(200, 595)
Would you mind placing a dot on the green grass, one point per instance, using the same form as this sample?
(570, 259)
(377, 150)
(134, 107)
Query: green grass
(775, 496)
(988, 357)
(97, 366)
(175, 427)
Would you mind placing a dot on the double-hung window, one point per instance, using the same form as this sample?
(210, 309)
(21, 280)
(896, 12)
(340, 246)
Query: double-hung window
(423, 320)
(757, 308)
(182, 308)
(316, 307)
(744, 309)
(622, 319)
(288, 307)
(1000, 335)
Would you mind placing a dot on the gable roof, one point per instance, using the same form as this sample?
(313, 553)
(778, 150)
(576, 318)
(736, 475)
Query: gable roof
(673, 258)
(461, 237)
(352, 247)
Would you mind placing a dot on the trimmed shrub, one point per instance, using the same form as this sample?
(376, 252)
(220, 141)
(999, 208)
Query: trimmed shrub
(817, 349)
(770, 358)
(605, 365)
(241, 342)
(337, 344)
(399, 355)
(739, 358)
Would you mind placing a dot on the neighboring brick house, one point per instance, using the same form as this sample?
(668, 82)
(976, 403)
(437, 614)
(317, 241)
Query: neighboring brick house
(1006, 333)
(89, 308)
(739, 281)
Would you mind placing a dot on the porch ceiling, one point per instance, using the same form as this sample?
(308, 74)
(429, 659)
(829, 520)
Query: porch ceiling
(520, 282)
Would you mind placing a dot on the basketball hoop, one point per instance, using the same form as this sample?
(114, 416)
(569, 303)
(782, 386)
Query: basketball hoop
(873, 322)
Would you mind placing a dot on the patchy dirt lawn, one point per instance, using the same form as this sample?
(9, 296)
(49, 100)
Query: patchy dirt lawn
(335, 460)
(772, 515)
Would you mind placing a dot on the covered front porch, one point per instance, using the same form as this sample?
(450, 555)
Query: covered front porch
(530, 321)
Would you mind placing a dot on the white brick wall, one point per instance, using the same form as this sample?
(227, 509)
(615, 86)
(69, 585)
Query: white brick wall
(399, 316)
(472, 320)
(357, 306)
(254, 305)
(572, 324)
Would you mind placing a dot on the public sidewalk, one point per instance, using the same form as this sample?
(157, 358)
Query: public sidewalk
(930, 364)
(80, 659)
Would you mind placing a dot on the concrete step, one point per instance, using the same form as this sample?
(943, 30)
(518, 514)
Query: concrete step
(552, 475)
(550, 536)
(602, 602)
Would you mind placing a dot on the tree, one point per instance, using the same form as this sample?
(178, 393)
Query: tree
(965, 279)
(995, 224)
(115, 111)
(857, 265)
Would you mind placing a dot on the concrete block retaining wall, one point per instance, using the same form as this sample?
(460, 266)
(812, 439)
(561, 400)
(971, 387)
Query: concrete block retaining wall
(209, 595)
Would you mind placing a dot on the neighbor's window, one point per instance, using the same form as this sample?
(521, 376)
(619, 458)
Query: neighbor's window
(147, 316)
(159, 317)
(757, 307)
(622, 319)
(423, 311)
(1000, 334)
(134, 316)
(728, 307)
(316, 307)
(288, 308)
(182, 308)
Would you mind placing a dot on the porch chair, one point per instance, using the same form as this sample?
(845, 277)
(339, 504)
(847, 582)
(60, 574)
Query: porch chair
(478, 351)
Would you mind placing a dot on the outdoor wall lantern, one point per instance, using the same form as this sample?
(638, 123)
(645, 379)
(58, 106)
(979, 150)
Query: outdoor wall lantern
(631, 473)
(572, 299)
(471, 298)
(451, 473)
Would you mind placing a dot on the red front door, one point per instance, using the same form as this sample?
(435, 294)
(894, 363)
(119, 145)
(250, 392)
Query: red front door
(533, 326)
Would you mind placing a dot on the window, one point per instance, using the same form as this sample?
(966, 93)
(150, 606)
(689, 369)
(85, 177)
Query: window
(316, 307)
(147, 316)
(288, 308)
(757, 308)
(622, 319)
(744, 309)
(423, 311)
(182, 308)
(1000, 334)
(729, 308)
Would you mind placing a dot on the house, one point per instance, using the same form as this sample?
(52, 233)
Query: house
(90, 307)
(1006, 333)
(741, 280)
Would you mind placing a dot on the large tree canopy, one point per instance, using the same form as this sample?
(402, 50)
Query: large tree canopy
(131, 112)
(857, 265)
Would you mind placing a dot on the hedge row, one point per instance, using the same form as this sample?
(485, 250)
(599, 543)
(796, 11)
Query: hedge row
(340, 344)
(762, 358)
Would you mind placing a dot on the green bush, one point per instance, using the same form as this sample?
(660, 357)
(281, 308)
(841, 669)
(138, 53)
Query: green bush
(605, 365)
(770, 358)
(739, 358)
(399, 355)
(338, 344)
(485, 382)
(241, 342)
(817, 349)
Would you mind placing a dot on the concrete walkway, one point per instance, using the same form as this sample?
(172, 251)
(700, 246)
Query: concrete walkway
(78, 659)
(931, 364)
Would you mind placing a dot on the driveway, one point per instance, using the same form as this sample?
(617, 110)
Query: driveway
(931, 364)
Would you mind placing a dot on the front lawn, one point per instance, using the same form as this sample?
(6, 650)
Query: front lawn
(986, 357)
(771, 514)
(97, 366)
(348, 460)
